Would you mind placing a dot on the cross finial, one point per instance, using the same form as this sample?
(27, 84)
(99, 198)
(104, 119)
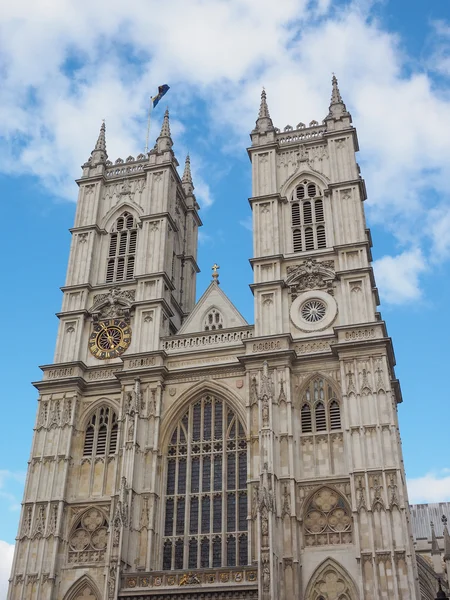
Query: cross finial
(215, 273)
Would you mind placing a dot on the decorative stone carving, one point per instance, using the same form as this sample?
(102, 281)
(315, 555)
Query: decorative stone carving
(39, 524)
(311, 274)
(377, 500)
(364, 380)
(327, 520)
(112, 581)
(88, 540)
(134, 399)
(360, 494)
(286, 509)
(392, 491)
(115, 303)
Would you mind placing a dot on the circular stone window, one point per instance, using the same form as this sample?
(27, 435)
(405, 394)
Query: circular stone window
(313, 311)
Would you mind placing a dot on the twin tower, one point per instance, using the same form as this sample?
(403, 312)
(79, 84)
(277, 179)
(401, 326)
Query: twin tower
(179, 451)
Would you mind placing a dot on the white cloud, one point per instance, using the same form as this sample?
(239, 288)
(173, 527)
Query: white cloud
(6, 558)
(398, 276)
(247, 223)
(65, 65)
(432, 487)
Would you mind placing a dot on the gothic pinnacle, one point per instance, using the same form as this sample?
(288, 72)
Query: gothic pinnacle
(337, 106)
(165, 129)
(335, 93)
(263, 108)
(164, 141)
(101, 141)
(264, 122)
(186, 180)
(99, 154)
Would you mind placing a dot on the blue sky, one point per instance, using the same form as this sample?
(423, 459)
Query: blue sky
(65, 65)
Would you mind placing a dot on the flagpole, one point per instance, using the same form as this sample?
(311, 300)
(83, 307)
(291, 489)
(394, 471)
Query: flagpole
(148, 125)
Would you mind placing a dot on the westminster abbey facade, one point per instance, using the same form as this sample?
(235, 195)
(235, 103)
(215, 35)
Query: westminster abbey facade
(181, 452)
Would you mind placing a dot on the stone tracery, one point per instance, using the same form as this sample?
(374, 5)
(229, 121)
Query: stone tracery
(327, 519)
(89, 538)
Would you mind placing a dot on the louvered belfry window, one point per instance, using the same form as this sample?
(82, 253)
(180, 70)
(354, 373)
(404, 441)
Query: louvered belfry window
(101, 433)
(307, 218)
(205, 521)
(320, 409)
(122, 249)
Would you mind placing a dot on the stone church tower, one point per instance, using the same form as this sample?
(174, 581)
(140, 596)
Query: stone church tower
(178, 450)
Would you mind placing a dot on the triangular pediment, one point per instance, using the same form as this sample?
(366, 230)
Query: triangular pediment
(213, 311)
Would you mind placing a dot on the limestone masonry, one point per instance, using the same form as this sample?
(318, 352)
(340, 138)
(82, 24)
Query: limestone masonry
(181, 452)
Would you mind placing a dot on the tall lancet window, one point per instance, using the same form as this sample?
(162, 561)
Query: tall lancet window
(122, 249)
(205, 521)
(307, 218)
(320, 409)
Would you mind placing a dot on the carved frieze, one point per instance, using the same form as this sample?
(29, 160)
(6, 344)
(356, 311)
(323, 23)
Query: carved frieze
(115, 303)
(311, 274)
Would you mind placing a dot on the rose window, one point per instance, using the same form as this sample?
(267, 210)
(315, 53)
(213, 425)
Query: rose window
(89, 538)
(313, 310)
(327, 520)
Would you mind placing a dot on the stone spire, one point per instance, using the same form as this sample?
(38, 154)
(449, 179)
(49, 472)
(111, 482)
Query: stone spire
(337, 106)
(264, 122)
(186, 180)
(99, 154)
(164, 140)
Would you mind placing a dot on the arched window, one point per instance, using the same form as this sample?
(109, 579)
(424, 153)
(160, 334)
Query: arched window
(101, 433)
(213, 320)
(320, 410)
(307, 212)
(205, 523)
(327, 519)
(122, 249)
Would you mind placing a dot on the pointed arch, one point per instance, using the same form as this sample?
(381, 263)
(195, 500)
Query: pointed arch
(213, 319)
(317, 374)
(115, 211)
(314, 176)
(89, 410)
(331, 581)
(327, 518)
(189, 396)
(84, 588)
(205, 506)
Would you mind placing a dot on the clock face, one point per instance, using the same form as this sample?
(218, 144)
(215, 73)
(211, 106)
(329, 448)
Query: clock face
(110, 338)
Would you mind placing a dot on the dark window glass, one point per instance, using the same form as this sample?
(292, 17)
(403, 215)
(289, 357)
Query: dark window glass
(206, 478)
(243, 511)
(204, 553)
(182, 477)
(243, 549)
(171, 468)
(231, 512)
(179, 554)
(192, 562)
(180, 515)
(167, 555)
(206, 508)
(168, 529)
(193, 523)
(195, 476)
(231, 551)
(231, 471)
(217, 552)
(217, 514)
